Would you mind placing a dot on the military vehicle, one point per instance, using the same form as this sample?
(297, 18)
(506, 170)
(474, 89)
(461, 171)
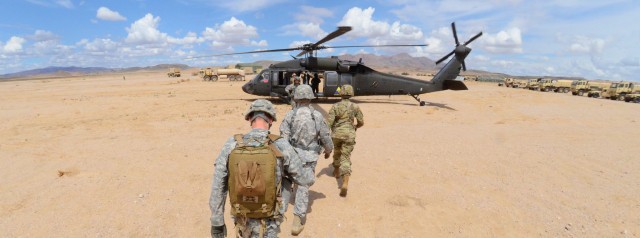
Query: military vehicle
(592, 89)
(174, 72)
(509, 82)
(620, 90)
(365, 80)
(555, 85)
(533, 84)
(211, 74)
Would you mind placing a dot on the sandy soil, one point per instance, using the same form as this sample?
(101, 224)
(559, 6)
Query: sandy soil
(100, 156)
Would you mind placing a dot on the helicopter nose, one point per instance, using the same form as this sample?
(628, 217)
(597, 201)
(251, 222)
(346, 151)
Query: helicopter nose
(248, 88)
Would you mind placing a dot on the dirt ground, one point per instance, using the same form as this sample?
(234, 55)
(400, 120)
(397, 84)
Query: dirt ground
(100, 156)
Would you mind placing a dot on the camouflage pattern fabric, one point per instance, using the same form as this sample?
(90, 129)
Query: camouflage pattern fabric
(342, 155)
(290, 89)
(341, 120)
(290, 166)
(309, 134)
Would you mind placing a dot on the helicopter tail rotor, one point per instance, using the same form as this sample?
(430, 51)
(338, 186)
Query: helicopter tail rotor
(461, 51)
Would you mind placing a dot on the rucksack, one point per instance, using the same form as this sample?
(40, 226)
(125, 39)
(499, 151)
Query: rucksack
(253, 191)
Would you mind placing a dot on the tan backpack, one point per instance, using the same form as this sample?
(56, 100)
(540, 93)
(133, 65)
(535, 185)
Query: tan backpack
(253, 191)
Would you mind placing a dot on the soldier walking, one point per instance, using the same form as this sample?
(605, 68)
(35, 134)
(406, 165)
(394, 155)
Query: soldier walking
(308, 133)
(291, 88)
(250, 168)
(341, 121)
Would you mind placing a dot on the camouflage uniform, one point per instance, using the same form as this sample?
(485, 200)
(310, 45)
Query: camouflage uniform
(341, 118)
(290, 89)
(292, 169)
(309, 134)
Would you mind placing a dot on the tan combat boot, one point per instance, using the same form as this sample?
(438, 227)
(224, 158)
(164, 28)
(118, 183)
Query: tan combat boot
(336, 172)
(297, 226)
(345, 185)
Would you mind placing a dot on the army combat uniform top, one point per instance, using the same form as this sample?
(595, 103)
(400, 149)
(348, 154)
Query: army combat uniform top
(341, 120)
(290, 165)
(308, 133)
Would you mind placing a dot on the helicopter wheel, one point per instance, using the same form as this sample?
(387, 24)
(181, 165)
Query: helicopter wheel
(423, 103)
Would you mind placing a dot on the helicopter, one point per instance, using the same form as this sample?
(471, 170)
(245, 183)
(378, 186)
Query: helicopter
(364, 80)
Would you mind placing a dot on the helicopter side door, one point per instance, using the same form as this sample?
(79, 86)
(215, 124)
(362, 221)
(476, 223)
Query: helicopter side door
(331, 81)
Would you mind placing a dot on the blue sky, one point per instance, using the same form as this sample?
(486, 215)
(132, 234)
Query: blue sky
(592, 39)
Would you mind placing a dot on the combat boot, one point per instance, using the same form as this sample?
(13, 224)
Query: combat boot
(336, 172)
(345, 185)
(297, 226)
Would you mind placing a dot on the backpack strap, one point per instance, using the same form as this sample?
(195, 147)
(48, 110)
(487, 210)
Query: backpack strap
(272, 139)
(239, 140)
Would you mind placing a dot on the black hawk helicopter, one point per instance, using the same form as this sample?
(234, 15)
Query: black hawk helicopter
(365, 81)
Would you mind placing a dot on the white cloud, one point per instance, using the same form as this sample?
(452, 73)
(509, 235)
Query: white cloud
(506, 41)
(42, 35)
(14, 45)
(230, 33)
(313, 14)
(583, 44)
(107, 14)
(246, 5)
(99, 46)
(363, 24)
(144, 31)
(306, 29)
(261, 43)
(295, 44)
(190, 38)
(65, 3)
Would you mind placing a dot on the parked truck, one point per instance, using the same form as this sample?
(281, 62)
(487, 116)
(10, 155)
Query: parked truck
(174, 72)
(533, 84)
(590, 88)
(622, 91)
(211, 74)
(556, 85)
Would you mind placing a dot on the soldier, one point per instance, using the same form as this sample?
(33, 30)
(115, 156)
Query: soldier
(290, 89)
(308, 133)
(341, 118)
(315, 83)
(256, 202)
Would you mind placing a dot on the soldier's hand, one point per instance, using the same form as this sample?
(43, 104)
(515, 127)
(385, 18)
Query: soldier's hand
(219, 231)
(327, 155)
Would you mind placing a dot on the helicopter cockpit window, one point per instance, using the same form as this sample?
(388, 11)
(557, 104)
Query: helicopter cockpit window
(345, 79)
(331, 78)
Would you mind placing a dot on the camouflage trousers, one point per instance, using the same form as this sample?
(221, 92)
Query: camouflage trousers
(253, 226)
(342, 154)
(301, 203)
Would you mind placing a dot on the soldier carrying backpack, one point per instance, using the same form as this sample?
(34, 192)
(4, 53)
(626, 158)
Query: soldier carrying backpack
(250, 168)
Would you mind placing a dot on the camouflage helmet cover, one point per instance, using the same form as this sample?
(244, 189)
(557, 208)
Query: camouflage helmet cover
(261, 105)
(347, 90)
(303, 92)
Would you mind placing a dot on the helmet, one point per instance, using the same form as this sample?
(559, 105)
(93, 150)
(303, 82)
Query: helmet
(303, 92)
(347, 90)
(261, 105)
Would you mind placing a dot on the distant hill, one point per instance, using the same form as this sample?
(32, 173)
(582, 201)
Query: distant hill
(55, 71)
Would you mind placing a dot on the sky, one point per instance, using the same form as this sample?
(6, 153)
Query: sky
(582, 38)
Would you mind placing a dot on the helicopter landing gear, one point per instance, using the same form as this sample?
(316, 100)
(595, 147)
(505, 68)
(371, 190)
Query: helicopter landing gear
(422, 103)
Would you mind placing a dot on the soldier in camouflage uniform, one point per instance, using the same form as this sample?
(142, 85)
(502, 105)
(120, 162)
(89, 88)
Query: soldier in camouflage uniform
(260, 114)
(341, 119)
(308, 133)
(291, 88)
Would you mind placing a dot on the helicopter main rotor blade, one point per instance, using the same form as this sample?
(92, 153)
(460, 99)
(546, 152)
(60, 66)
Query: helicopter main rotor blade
(341, 30)
(248, 52)
(455, 34)
(354, 46)
(445, 57)
(473, 38)
(338, 32)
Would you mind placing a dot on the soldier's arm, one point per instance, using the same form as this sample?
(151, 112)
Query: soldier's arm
(359, 117)
(325, 133)
(285, 126)
(291, 162)
(219, 187)
(332, 116)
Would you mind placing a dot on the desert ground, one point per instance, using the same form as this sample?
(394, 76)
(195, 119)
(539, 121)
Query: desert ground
(107, 156)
